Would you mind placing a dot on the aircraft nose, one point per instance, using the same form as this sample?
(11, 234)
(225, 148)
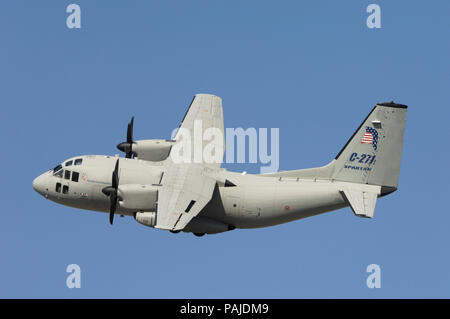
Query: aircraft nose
(40, 185)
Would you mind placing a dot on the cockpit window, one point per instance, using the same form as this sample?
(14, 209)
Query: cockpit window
(67, 174)
(69, 163)
(58, 171)
(75, 176)
(78, 161)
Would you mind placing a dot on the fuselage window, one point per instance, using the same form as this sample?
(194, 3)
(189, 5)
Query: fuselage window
(65, 189)
(67, 174)
(58, 187)
(69, 163)
(75, 176)
(78, 161)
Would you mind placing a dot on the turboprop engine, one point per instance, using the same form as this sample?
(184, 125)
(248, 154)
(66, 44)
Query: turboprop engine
(136, 197)
(131, 197)
(152, 150)
(146, 218)
(142, 199)
(149, 150)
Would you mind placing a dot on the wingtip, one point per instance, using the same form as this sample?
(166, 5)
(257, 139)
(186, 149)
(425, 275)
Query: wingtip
(393, 104)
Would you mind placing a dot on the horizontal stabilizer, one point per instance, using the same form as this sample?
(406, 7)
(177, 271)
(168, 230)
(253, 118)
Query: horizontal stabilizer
(361, 198)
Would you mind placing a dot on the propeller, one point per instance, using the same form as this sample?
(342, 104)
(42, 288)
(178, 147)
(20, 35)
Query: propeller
(111, 192)
(127, 147)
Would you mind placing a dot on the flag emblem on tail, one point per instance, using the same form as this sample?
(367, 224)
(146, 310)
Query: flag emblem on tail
(370, 137)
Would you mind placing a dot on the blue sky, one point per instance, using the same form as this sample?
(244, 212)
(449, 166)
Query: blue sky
(311, 68)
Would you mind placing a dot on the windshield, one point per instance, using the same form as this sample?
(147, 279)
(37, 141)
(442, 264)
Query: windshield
(57, 168)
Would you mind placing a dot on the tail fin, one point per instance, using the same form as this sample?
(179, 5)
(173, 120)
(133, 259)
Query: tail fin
(373, 154)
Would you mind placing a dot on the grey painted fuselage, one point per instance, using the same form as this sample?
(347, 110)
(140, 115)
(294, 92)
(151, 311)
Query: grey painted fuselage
(366, 168)
(254, 201)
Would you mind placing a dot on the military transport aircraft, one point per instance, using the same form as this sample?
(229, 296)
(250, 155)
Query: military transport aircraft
(202, 198)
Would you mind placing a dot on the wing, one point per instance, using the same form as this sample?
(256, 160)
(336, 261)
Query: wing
(201, 132)
(189, 177)
(184, 192)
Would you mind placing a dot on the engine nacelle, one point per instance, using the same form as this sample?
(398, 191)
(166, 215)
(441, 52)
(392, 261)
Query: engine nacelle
(146, 218)
(152, 150)
(136, 197)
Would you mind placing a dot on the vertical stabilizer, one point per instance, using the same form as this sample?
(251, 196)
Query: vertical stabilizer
(373, 154)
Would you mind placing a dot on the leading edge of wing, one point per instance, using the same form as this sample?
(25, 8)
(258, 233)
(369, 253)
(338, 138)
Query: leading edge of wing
(201, 133)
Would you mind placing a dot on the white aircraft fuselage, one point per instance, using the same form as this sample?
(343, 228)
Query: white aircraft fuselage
(203, 198)
(255, 200)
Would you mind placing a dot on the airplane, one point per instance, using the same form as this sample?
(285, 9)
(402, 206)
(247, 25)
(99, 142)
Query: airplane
(200, 197)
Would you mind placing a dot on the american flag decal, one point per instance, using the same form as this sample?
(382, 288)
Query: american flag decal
(370, 137)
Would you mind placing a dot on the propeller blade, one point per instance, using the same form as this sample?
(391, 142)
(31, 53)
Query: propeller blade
(115, 176)
(111, 192)
(112, 208)
(127, 147)
(130, 131)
